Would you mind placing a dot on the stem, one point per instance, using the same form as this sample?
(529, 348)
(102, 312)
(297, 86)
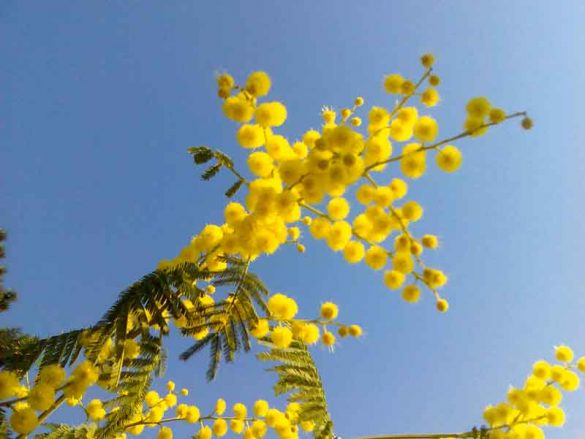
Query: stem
(443, 142)
(315, 211)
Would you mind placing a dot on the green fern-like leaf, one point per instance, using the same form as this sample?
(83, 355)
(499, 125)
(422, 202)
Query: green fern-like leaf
(298, 376)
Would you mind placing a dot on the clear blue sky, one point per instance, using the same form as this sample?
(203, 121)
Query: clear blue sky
(99, 101)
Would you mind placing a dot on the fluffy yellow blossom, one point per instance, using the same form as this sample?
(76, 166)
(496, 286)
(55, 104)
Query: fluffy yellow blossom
(338, 208)
(270, 114)
(427, 60)
(8, 384)
(260, 408)
(237, 426)
(442, 305)
(220, 427)
(238, 109)
(376, 257)
(478, 107)
(564, 354)
(260, 164)
(250, 136)
(260, 329)
(449, 158)
(413, 162)
(430, 241)
(329, 311)
(204, 433)
(497, 115)
(193, 414)
(95, 410)
(52, 375)
(354, 252)
(393, 83)
(411, 293)
(308, 333)
(258, 84)
(41, 396)
(430, 97)
(220, 407)
(426, 129)
(24, 420)
(412, 211)
(403, 263)
(165, 433)
(240, 410)
(281, 337)
(394, 279)
(355, 331)
(328, 338)
(282, 307)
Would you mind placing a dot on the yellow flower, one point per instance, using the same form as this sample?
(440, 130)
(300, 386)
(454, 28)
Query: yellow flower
(41, 396)
(152, 398)
(270, 114)
(413, 161)
(339, 235)
(354, 252)
(411, 293)
(258, 429)
(281, 337)
(237, 425)
(282, 307)
(240, 410)
(412, 211)
(260, 329)
(442, 305)
(258, 84)
(434, 80)
(399, 188)
(24, 420)
(430, 97)
(250, 136)
(403, 263)
(95, 410)
(497, 115)
(376, 257)
(378, 117)
(225, 80)
(338, 208)
(393, 279)
(393, 83)
(238, 109)
(541, 369)
(165, 433)
(193, 414)
(430, 241)
(260, 164)
(426, 129)
(220, 427)
(308, 333)
(359, 101)
(204, 433)
(329, 311)
(260, 408)
(564, 354)
(555, 416)
(449, 158)
(478, 107)
(427, 60)
(328, 338)
(52, 375)
(355, 331)
(8, 384)
(220, 407)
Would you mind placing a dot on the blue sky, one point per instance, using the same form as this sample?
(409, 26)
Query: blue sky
(99, 101)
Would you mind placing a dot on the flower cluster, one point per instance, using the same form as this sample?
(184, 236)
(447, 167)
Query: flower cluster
(316, 172)
(285, 327)
(537, 403)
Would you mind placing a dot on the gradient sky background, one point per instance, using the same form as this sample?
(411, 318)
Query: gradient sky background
(99, 101)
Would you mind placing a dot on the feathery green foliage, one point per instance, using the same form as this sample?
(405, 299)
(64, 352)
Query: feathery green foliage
(298, 376)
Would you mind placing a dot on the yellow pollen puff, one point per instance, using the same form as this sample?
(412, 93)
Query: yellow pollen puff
(478, 107)
(240, 410)
(165, 433)
(541, 369)
(393, 279)
(328, 115)
(258, 84)
(281, 337)
(220, 427)
(434, 278)
(282, 307)
(427, 60)
(220, 406)
(407, 87)
(383, 196)
(345, 113)
(310, 137)
(411, 293)
(359, 101)
(41, 396)
(250, 136)
(356, 121)
(365, 194)
(301, 248)
(497, 115)
(204, 433)
(399, 188)
(225, 80)
(412, 211)
(261, 408)
(527, 123)
(564, 354)
(378, 117)
(430, 97)
(434, 80)
(320, 228)
(449, 158)
(328, 338)
(24, 420)
(260, 164)
(376, 257)
(338, 208)
(581, 364)
(426, 129)
(294, 233)
(442, 305)
(393, 83)
(354, 252)
(300, 149)
(260, 329)
(413, 163)
(329, 311)
(403, 263)
(355, 331)
(237, 425)
(184, 392)
(430, 241)
(270, 114)
(238, 109)
(339, 235)
(343, 331)
(52, 375)
(308, 333)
